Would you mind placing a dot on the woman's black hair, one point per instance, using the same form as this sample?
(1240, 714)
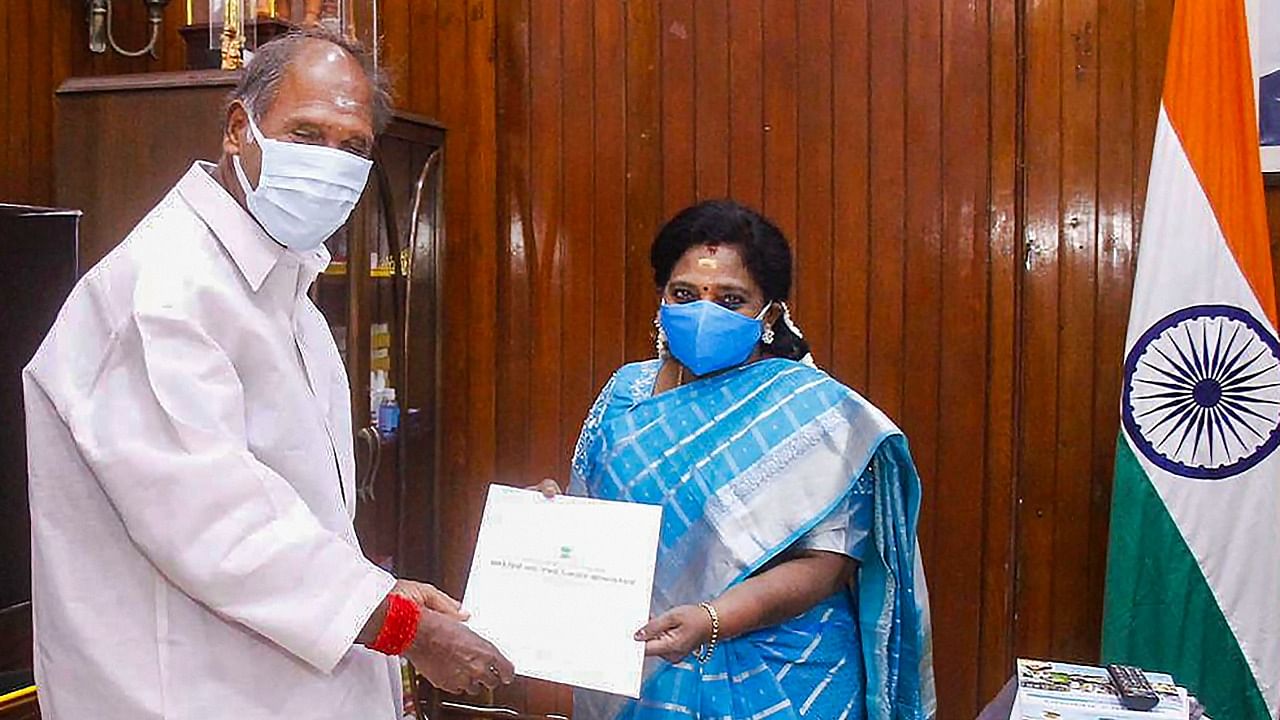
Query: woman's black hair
(762, 245)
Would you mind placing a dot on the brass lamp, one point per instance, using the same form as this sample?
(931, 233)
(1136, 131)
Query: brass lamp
(100, 34)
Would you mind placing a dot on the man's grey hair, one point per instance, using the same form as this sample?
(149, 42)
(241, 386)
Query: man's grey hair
(262, 76)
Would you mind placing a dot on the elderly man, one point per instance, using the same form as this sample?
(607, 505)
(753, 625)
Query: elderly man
(190, 444)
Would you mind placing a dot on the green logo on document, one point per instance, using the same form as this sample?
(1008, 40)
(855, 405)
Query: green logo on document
(565, 552)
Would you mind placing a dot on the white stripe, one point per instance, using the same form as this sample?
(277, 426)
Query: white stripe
(808, 652)
(669, 707)
(784, 705)
(822, 686)
(853, 700)
(717, 677)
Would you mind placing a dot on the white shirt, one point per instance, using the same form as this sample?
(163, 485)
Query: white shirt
(192, 485)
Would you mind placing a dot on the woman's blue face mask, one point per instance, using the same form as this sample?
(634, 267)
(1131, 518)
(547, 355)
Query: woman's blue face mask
(707, 337)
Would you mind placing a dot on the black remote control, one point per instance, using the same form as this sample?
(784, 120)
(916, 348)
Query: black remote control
(1132, 687)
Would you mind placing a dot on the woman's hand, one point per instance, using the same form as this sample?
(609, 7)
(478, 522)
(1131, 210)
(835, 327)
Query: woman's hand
(550, 488)
(676, 633)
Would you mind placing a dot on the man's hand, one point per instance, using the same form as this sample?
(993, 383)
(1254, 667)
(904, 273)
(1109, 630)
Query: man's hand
(454, 659)
(425, 596)
(430, 598)
(676, 633)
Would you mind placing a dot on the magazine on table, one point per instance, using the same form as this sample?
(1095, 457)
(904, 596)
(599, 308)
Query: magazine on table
(1062, 691)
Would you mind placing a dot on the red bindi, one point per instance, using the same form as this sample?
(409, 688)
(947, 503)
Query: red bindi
(713, 249)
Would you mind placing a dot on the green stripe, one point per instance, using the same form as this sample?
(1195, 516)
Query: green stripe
(1159, 611)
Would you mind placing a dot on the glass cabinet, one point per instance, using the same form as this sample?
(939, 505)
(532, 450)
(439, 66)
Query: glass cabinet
(216, 29)
(379, 296)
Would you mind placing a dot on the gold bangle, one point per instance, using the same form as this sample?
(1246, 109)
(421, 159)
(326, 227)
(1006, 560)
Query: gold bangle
(704, 652)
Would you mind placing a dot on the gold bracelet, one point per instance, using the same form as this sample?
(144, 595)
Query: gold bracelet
(704, 652)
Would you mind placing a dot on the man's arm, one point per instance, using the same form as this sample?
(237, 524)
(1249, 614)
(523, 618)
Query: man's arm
(162, 428)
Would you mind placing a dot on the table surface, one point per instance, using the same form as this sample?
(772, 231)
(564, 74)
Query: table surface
(1002, 706)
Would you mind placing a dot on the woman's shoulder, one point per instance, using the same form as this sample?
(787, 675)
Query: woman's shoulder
(633, 379)
(792, 376)
(632, 369)
(787, 375)
(630, 372)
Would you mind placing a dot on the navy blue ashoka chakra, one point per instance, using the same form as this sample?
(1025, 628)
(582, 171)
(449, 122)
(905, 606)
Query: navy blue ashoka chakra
(1202, 392)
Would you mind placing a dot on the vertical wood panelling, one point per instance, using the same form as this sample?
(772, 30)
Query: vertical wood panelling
(1115, 244)
(458, 442)
(1040, 356)
(39, 137)
(851, 210)
(746, 101)
(577, 343)
(781, 115)
(644, 214)
(478, 140)
(397, 47)
(8, 180)
(887, 161)
(814, 175)
(964, 347)
(1078, 225)
(20, 91)
(609, 223)
(679, 113)
(1004, 227)
(963, 183)
(546, 213)
(921, 242)
(424, 83)
(514, 356)
(711, 78)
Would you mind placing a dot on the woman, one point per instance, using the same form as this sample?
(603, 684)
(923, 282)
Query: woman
(788, 583)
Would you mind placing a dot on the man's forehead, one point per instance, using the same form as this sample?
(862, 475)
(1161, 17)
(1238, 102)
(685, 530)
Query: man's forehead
(322, 71)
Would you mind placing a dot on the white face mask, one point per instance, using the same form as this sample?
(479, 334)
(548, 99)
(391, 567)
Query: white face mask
(305, 192)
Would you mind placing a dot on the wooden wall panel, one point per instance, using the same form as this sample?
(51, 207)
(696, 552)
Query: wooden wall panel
(1093, 72)
(42, 43)
(966, 354)
(1040, 356)
(746, 101)
(1118, 107)
(1006, 43)
(963, 183)
(609, 217)
(578, 388)
(864, 132)
(815, 175)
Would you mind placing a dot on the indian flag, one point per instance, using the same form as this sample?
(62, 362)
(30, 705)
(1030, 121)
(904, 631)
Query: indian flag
(1193, 575)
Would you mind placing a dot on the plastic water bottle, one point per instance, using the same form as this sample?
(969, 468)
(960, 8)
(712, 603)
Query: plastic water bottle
(388, 413)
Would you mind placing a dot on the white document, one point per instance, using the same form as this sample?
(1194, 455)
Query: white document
(561, 585)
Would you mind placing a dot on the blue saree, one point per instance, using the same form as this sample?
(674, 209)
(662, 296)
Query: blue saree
(744, 464)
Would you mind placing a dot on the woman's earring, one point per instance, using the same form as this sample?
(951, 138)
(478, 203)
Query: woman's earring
(791, 325)
(660, 338)
(767, 336)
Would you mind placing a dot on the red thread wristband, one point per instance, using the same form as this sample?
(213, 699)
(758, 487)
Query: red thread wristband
(399, 627)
